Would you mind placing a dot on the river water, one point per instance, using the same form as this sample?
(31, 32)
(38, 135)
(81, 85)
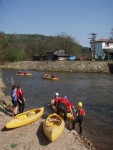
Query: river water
(94, 90)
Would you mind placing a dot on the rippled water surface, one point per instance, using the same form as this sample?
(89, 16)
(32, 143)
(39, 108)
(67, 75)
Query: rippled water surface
(94, 90)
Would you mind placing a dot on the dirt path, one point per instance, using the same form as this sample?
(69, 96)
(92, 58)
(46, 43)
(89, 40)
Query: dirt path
(32, 137)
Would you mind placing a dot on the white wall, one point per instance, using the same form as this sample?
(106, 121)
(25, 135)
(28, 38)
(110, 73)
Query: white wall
(105, 46)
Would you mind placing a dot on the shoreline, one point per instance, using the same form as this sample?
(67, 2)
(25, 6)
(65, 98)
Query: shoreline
(63, 66)
(68, 139)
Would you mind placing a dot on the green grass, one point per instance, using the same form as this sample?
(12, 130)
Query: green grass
(13, 145)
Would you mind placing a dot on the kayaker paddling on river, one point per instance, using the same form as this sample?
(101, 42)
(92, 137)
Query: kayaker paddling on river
(53, 76)
(80, 112)
(47, 75)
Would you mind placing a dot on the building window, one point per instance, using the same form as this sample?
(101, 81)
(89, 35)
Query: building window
(107, 44)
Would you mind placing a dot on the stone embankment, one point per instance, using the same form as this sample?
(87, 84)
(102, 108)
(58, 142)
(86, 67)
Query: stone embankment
(69, 66)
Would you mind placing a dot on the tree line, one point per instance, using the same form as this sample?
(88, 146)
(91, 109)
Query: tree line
(18, 47)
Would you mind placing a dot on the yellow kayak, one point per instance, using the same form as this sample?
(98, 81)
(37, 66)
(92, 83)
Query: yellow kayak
(69, 115)
(49, 78)
(53, 127)
(22, 74)
(25, 118)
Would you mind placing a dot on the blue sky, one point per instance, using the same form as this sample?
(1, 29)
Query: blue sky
(77, 18)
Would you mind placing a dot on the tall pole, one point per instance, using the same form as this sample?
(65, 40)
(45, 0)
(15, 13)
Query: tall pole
(92, 42)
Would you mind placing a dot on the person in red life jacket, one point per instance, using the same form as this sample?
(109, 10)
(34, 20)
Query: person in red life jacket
(64, 106)
(53, 76)
(20, 72)
(54, 101)
(80, 112)
(25, 72)
(57, 98)
(69, 106)
(21, 99)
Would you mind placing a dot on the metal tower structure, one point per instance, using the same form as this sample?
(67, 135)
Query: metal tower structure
(92, 42)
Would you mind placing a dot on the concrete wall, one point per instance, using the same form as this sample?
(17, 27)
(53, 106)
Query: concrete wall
(69, 66)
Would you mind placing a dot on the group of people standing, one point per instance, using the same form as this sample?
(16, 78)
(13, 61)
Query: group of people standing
(18, 99)
(63, 105)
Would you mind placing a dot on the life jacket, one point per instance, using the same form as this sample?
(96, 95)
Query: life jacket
(67, 104)
(81, 112)
(57, 99)
(20, 94)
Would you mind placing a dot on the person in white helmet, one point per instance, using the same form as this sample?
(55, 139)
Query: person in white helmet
(57, 98)
(56, 94)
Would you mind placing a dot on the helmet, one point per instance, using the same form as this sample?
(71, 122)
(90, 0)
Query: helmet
(56, 94)
(79, 104)
(65, 96)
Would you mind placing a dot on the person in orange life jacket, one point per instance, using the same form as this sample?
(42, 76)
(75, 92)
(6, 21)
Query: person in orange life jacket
(14, 100)
(21, 99)
(80, 112)
(53, 76)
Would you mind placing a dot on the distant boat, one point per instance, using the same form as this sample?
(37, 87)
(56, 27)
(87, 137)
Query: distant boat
(49, 78)
(24, 74)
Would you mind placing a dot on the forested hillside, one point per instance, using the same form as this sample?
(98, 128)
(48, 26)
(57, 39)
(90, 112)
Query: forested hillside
(17, 47)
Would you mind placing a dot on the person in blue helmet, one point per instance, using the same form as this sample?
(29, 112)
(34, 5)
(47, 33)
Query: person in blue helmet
(64, 106)
(69, 106)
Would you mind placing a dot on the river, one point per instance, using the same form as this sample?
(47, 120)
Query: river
(94, 90)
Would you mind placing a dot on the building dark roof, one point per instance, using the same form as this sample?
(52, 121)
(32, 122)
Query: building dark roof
(59, 52)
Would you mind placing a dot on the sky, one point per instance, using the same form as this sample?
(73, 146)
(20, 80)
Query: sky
(75, 18)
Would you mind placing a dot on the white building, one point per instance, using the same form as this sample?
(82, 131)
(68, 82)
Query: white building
(103, 49)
